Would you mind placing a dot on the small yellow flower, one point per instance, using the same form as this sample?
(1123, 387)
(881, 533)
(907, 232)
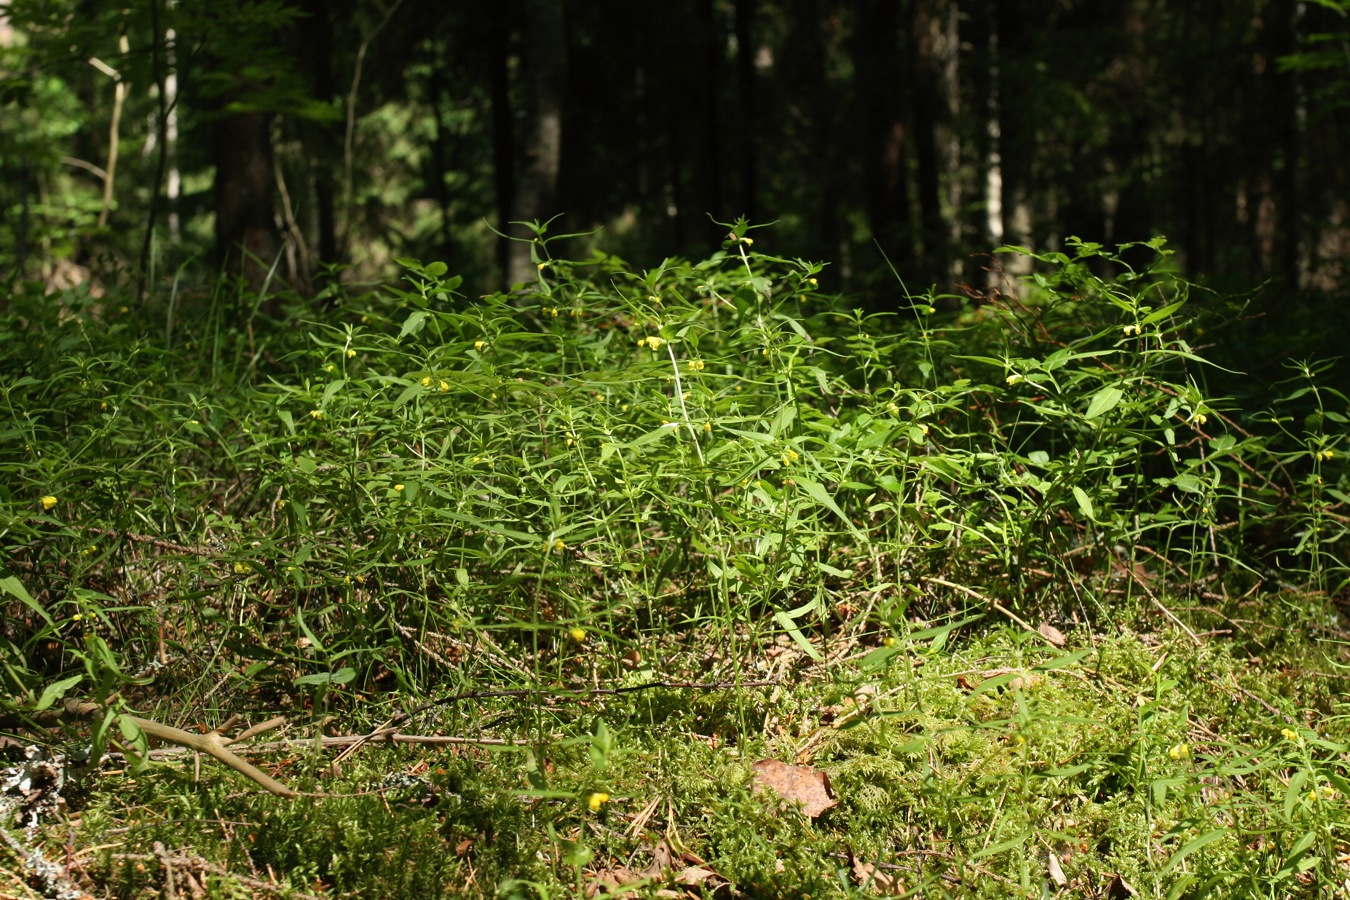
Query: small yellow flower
(748, 241)
(49, 501)
(654, 342)
(444, 386)
(542, 266)
(281, 504)
(1014, 378)
(790, 456)
(1327, 454)
(597, 800)
(557, 545)
(554, 312)
(103, 405)
(812, 282)
(707, 426)
(1131, 329)
(426, 381)
(889, 641)
(398, 488)
(1200, 418)
(571, 441)
(1312, 796)
(1180, 752)
(479, 345)
(329, 368)
(1289, 734)
(240, 568)
(696, 365)
(578, 634)
(923, 428)
(350, 352)
(927, 310)
(316, 414)
(654, 299)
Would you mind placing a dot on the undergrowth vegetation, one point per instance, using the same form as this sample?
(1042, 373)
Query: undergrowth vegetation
(1050, 598)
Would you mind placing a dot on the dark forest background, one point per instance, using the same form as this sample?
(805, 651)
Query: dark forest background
(327, 137)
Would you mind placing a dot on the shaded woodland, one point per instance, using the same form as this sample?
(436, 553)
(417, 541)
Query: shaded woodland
(295, 139)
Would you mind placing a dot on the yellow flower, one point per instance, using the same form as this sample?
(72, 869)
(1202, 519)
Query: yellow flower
(707, 426)
(444, 386)
(1013, 378)
(578, 634)
(655, 342)
(350, 353)
(696, 365)
(329, 368)
(1200, 418)
(748, 240)
(49, 501)
(597, 800)
(1289, 734)
(889, 641)
(812, 282)
(281, 504)
(1312, 797)
(479, 345)
(398, 488)
(542, 266)
(1131, 329)
(1180, 752)
(316, 414)
(240, 568)
(923, 428)
(426, 381)
(1327, 454)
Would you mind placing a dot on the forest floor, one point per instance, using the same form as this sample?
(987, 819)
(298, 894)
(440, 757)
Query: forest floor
(686, 583)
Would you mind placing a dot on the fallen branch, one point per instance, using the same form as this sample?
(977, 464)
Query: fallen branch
(212, 743)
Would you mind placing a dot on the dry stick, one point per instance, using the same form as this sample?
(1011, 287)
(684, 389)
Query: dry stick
(986, 600)
(211, 744)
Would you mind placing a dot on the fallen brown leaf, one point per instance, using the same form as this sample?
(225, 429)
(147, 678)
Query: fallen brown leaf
(1052, 634)
(1056, 871)
(795, 784)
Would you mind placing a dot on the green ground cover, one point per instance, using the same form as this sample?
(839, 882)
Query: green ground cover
(1048, 599)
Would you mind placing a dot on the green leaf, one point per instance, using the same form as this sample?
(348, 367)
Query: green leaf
(791, 628)
(1106, 400)
(816, 491)
(1084, 503)
(12, 586)
(1203, 840)
(414, 323)
(1002, 846)
(55, 691)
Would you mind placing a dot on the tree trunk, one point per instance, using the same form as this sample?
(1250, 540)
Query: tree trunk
(545, 62)
(247, 240)
(745, 86)
(881, 95)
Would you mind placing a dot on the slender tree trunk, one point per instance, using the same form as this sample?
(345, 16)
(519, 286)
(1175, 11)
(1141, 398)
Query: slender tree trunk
(247, 239)
(1013, 81)
(882, 96)
(713, 54)
(503, 134)
(745, 86)
(545, 61)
